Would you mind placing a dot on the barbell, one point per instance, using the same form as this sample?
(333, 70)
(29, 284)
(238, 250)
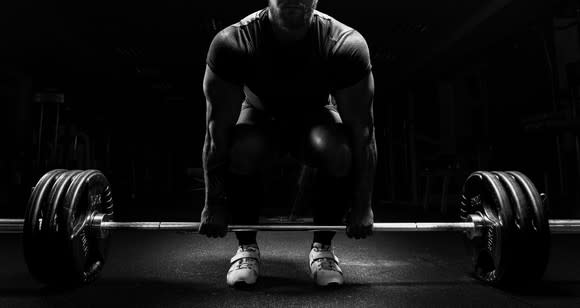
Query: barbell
(98, 224)
(67, 224)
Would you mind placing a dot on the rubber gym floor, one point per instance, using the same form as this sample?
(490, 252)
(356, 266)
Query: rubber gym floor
(157, 269)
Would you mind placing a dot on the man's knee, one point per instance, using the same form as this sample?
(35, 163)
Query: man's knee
(331, 149)
(249, 149)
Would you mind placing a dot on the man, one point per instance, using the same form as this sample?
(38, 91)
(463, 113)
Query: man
(288, 79)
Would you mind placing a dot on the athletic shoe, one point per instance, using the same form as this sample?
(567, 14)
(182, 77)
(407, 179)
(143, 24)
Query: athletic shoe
(244, 266)
(324, 268)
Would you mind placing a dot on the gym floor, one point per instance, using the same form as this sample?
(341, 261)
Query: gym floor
(156, 269)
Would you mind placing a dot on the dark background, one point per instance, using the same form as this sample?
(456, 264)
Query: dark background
(460, 86)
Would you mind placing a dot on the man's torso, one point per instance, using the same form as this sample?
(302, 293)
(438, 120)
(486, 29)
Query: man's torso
(285, 78)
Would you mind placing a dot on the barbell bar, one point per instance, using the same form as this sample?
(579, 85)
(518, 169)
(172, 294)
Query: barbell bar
(557, 226)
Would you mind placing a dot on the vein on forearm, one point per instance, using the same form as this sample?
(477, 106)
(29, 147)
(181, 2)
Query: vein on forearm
(215, 158)
(364, 159)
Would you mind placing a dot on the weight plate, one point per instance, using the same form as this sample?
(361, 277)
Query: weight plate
(86, 250)
(34, 237)
(521, 231)
(538, 249)
(57, 197)
(492, 251)
(54, 238)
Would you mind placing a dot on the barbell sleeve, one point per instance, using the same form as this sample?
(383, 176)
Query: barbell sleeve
(11, 225)
(565, 226)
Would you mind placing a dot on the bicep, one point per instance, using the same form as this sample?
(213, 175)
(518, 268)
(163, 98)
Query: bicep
(223, 102)
(355, 103)
(223, 98)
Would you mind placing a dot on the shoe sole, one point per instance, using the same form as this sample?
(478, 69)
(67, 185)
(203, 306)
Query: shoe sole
(242, 285)
(332, 285)
(334, 282)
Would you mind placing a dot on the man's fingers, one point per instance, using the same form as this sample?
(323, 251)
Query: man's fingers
(223, 232)
(207, 230)
(355, 232)
(359, 231)
(213, 230)
(363, 234)
(348, 232)
(351, 232)
(203, 229)
(369, 230)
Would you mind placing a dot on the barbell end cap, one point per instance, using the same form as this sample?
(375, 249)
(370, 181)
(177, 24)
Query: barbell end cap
(478, 225)
(97, 222)
(544, 198)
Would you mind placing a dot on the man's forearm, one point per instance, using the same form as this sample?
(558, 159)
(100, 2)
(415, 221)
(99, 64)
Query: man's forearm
(364, 161)
(215, 164)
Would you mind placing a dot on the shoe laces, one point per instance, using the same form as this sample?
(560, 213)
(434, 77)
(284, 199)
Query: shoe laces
(328, 264)
(247, 263)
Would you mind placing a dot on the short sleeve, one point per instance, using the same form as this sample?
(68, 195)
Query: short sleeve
(350, 61)
(225, 56)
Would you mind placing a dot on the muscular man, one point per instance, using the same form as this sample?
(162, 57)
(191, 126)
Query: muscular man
(288, 79)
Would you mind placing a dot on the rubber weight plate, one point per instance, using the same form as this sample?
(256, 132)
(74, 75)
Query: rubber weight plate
(57, 197)
(538, 250)
(86, 250)
(493, 250)
(54, 236)
(34, 238)
(522, 232)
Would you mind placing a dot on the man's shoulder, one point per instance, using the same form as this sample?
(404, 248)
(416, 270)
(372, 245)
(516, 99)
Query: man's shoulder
(239, 34)
(330, 26)
(340, 38)
(252, 19)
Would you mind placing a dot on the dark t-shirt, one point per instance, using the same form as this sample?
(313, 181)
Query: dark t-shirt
(286, 78)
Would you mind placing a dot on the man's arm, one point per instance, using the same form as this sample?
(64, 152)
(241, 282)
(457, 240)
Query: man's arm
(223, 102)
(355, 105)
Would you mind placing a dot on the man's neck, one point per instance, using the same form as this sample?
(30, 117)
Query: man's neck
(287, 36)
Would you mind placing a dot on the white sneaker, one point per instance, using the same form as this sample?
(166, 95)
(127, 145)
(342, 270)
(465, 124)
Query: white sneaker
(244, 266)
(324, 268)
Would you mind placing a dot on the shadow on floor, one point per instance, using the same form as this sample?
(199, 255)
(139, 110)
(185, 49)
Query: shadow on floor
(559, 288)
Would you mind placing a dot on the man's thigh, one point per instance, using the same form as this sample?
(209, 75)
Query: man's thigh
(314, 132)
(293, 134)
(260, 125)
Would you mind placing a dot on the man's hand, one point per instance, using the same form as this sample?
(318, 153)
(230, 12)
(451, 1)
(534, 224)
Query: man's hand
(214, 221)
(360, 223)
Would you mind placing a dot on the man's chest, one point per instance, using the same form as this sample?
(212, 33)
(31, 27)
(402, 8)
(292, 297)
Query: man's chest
(289, 72)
